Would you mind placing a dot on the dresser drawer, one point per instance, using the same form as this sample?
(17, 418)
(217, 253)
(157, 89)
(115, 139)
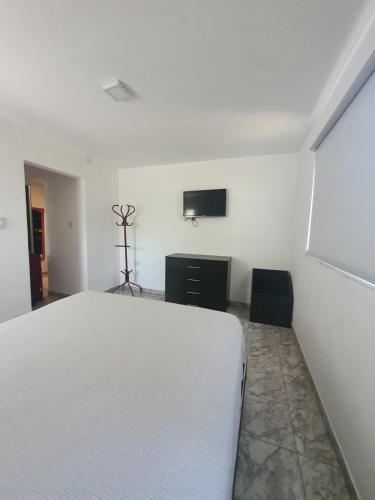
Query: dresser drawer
(200, 282)
(192, 270)
(193, 298)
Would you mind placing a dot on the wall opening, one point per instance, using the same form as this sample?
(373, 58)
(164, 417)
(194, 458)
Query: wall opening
(56, 236)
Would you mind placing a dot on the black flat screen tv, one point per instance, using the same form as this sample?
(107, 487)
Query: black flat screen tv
(205, 203)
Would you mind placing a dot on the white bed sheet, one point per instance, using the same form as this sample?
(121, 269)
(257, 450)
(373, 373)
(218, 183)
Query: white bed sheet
(106, 396)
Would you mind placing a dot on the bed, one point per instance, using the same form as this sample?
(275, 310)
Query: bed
(106, 397)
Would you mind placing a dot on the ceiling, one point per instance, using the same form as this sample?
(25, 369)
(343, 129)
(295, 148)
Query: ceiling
(213, 78)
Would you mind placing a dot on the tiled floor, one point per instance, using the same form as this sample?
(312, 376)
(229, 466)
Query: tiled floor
(285, 451)
(48, 296)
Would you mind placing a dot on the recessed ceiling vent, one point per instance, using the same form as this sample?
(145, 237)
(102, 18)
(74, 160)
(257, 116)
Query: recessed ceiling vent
(118, 90)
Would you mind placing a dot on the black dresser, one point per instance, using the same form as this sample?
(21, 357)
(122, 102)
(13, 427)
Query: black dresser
(198, 280)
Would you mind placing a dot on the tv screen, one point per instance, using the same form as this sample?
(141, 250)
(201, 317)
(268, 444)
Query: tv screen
(205, 203)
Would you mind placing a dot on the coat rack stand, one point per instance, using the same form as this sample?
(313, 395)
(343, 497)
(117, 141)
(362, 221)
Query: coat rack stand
(119, 210)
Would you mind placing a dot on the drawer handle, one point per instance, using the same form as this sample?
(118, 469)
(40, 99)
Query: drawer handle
(194, 267)
(193, 293)
(192, 279)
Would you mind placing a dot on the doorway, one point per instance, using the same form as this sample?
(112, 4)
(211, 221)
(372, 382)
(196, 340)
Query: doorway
(37, 234)
(55, 234)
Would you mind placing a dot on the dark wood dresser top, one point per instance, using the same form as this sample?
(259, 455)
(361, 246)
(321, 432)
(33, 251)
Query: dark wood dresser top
(200, 257)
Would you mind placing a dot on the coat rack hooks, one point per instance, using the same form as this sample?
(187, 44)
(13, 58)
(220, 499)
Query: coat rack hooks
(119, 211)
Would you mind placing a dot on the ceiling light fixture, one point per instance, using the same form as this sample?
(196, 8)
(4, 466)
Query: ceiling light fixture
(118, 90)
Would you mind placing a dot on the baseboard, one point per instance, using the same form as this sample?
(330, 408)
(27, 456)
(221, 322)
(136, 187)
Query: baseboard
(350, 483)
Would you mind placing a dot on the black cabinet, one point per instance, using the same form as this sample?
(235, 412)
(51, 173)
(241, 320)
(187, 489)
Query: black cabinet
(271, 297)
(199, 280)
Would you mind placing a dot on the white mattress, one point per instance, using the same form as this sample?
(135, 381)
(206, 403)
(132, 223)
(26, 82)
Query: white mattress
(106, 396)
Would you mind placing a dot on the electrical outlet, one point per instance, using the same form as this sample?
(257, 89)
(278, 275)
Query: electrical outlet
(3, 222)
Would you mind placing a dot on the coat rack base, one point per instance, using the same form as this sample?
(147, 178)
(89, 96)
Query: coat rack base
(128, 284)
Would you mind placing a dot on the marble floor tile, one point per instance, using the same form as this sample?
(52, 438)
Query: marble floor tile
(263, 353)
(299, 388)
(311, 433)
(136, 292)
(287, 337)
(144, 295)
(254, 328)
(278, 330)
(241, 312)
(243, 324)
(322, 481)
(269, 421)
(268, 385)
(291, 352)
(266, 361)
(258, 339)
(266, 472)
(261, 347)
(156, 297)
(292, 360)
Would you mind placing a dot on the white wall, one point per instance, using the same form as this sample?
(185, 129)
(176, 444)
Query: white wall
(100, 193)
(65, 233)
(18, 145)
(256, 231)
(334, 316)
